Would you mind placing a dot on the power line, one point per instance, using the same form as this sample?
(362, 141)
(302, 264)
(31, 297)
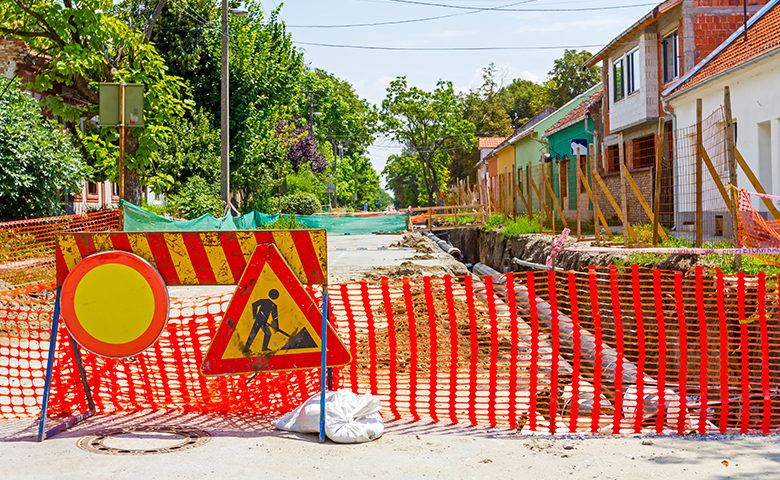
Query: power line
(503, 9)
(446, 49)
(411, 20)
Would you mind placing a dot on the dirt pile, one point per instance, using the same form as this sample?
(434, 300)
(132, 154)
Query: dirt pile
(413, 270)
(417, 242)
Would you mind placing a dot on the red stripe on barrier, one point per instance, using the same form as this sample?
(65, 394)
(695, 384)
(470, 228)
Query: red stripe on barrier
(309, 260)
(372, 363)
(353, 383)
(434, 347)
(162, 258)
(703, 360)
(764, 351)
(200, 261)
(594, 303)
(683, 409)
(556, 349)
(411, 320)
(233, 253)
(391, 338)
(474, 352)
(492, 371)
(85, 245)
(743, 336)
(724, 351)
(514, 338)
(620, 347)
(576, 374)
(533, 387)
(641, 352)
(449, 294)
(660, 419)
(121, 242)
(62, 268)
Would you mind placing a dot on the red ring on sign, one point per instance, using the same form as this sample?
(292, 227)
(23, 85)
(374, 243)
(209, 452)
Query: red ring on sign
(160, 301)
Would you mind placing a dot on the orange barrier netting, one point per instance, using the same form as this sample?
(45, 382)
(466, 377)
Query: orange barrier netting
(608, 350)
(27, 247)
(613, 350)
(758, 229)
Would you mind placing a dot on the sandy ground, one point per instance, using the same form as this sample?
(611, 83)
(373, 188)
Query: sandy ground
(243, 447)
(249, 447)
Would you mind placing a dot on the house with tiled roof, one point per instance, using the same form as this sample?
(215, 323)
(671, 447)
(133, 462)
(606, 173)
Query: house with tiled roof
(637, 65)
(485, 146)
(569, 139)
(748, 62)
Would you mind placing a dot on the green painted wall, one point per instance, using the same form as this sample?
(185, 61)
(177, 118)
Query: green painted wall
(560, 148)
(529, 151)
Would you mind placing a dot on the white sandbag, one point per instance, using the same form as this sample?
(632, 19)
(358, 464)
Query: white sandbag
(305, 418)
(352, 418)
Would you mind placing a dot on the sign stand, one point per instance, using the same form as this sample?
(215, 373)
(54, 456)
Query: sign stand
(42, 432)
(324, 377)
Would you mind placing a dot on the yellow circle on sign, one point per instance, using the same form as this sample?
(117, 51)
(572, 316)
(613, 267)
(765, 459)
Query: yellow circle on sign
(109, 314)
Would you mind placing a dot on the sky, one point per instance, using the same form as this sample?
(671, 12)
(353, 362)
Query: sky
(509, 39)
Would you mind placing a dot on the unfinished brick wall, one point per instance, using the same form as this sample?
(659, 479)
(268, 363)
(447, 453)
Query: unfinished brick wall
(12, 51)
(636, 214)
(715, 20)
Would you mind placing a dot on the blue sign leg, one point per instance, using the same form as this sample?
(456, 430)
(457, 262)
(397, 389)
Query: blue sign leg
(49, 367)
(323, 367)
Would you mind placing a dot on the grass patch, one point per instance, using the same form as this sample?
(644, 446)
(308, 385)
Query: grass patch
(285, 223)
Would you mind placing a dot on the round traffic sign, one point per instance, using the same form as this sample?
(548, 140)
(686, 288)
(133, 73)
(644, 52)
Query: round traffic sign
(115, 304)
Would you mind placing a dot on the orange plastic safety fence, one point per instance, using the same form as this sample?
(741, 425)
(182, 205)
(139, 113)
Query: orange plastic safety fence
(614, 350)
(165, 376)
(757, 230)
(27, 247)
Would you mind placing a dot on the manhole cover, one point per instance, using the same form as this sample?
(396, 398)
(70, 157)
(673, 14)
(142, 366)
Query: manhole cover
(144, 440)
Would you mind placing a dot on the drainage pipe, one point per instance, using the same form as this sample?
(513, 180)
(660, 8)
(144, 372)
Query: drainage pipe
(444, 245)
(535, 266)
(590, 362)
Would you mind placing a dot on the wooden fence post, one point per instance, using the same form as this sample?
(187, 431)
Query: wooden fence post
(528, 190)
(623, 195)
(514, 192)
(731, 155)
(659, 154)
(591, 166)
(699, 177)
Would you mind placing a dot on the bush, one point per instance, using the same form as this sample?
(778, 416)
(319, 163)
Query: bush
(196, 198)
(285, 223)
(300, 204)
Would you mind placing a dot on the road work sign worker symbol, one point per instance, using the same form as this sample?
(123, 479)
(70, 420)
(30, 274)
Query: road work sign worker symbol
(271, 323)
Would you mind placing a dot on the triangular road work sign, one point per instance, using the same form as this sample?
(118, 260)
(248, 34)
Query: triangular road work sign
(271, 323)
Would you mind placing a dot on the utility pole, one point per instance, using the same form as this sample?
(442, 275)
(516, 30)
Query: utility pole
(225, 117)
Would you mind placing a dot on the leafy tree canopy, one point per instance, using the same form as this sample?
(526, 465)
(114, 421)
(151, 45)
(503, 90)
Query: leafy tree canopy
(426, 123)
(567, 79)
(38, 164)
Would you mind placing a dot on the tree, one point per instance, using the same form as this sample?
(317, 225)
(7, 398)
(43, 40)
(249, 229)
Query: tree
(567, 79)
(356, 181)
(80, 44)
(38, 163)
(426, 123)
(522, 99)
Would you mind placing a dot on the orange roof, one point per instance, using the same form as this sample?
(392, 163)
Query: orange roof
(577, 114)
(490, 142)
(763, 35)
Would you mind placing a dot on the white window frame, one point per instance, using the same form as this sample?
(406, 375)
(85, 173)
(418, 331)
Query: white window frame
(632, 71)
(670, 76)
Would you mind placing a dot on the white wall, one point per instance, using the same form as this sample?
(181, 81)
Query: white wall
(755, 105)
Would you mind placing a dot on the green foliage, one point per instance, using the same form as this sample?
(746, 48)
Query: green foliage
(194, 151)
(381, 199)
(285, 223)
(493, 221)
(356, 181)
(38, 163)
(197, 197)
(300, 204)
(427, 124)
(522, 99)
(405, 180)
(568, 78)
(520, 226)
(84, 43)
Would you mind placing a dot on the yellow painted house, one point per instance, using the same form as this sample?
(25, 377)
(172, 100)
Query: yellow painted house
(501, 184)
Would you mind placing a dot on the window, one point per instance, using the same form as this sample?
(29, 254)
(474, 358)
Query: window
(617, 79)
(92, 191)
(669, 51)
(612, 158)
(643, 152)
(632, 71)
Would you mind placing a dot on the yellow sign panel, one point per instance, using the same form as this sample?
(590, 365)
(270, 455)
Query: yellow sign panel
(271, 322)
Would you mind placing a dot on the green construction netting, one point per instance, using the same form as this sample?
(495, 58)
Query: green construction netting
(137, 219)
